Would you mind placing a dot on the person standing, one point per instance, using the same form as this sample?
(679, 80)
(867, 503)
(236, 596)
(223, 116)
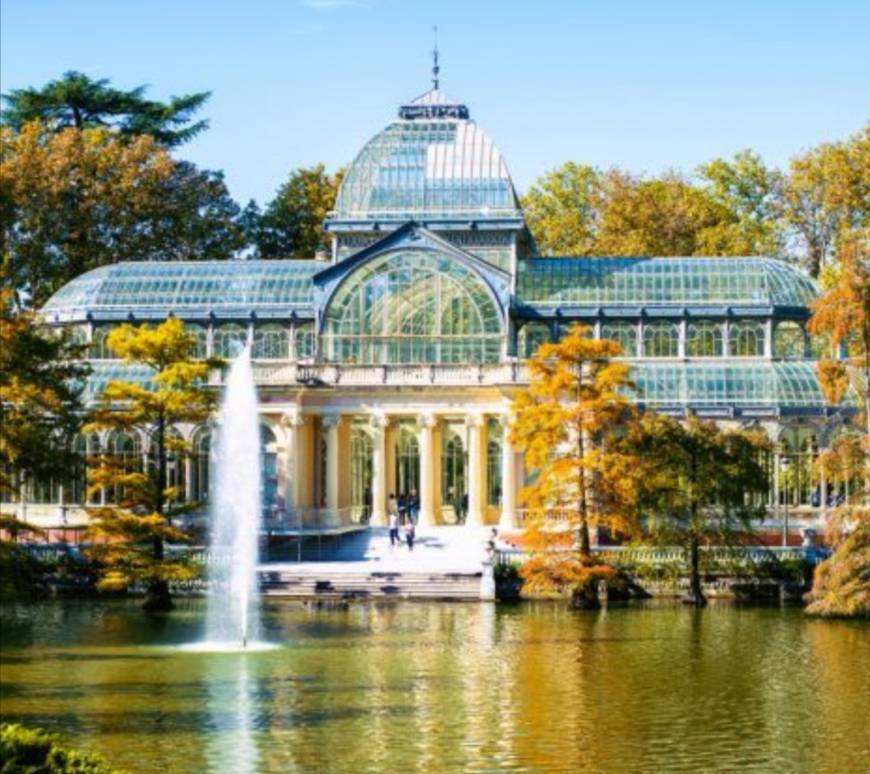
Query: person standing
(410, 535)
(413, 506)
(394, 528)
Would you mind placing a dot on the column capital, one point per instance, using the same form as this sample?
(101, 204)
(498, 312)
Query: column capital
(506, 420)
(331, 420)
(379, 420)
(427, 420)
(292, 418)
(474, 420)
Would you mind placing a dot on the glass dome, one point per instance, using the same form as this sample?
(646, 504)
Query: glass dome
(543, 282)
(433, 163)
(180, 287)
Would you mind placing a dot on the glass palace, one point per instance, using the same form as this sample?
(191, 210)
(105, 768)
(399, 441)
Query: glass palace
(389, 366)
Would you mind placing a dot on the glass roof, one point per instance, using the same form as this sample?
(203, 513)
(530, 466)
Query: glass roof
(105, 371)
(427, 168)
(739, 383)
(747, 281)
(179, 286)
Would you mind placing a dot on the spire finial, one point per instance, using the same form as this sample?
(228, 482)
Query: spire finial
(435, 68)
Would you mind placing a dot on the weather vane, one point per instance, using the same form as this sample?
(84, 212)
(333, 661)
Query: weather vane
(435, 68)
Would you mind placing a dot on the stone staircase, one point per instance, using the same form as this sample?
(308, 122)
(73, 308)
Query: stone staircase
(446, 563)
(310, 583)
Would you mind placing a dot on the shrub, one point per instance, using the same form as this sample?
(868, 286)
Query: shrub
(33, 751)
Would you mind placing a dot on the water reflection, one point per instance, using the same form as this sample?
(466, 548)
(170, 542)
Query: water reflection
(232, 744)
(405, 687)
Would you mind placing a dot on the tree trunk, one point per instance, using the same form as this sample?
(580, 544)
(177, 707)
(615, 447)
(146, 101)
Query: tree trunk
(696, 594)
(157, 598)
(585, 597)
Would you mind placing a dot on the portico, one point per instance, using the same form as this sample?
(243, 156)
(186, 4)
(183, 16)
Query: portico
(456, 463)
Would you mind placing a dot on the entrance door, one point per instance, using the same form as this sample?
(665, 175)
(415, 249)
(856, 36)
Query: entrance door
(454, 489)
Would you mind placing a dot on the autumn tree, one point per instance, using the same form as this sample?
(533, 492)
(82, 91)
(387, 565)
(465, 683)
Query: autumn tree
(138, 524)
(841, 584)
(749, 190)
(40, 398)
(697, 484)
(562, 210)
(291, 226)
(80, 102)
(76, 199)
(825, 198)
(567, 422)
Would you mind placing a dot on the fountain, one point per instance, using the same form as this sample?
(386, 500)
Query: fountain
(233, 617)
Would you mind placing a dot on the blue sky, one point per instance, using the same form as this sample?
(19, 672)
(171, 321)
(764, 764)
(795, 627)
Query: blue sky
(642, 84)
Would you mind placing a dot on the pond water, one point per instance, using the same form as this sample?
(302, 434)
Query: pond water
(447, 687)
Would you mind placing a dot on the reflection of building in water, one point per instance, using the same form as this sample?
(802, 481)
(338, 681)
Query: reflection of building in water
(388, 367)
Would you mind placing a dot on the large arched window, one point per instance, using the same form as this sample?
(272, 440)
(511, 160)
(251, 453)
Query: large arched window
(704, 339)
(661, 339)
(229, 340)
(624, 334)
(303, 341)
(125, 450)
(200, 336)
(271, 342)
(494, 440)
(99, 349)
(530, 337)
(746, 339)
(789, 340)
(413, 307)
(268, 469)
(200, 468)
(454, 493)
(362, 451)
(407, 461)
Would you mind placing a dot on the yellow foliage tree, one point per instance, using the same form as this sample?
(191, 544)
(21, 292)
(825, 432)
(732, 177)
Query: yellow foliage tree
(566, 423)
(842, 315)
(137, 526)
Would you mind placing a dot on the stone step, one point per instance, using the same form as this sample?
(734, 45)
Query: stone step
(387, 584)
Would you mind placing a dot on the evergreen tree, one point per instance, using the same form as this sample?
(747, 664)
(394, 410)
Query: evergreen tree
(77, 101)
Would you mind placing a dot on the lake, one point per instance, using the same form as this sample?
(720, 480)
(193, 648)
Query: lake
(406, 687)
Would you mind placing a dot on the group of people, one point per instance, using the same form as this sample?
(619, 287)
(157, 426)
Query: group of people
(403, 512)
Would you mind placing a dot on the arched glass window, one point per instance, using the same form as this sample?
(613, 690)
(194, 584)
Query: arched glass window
(661, 339)
(798, 449)
(624, 334)
(303, 341)
(176, 451)
(530, 337)
(125, 450)
(88, 450)
(268, 469)
(493, 462)
(99, 349)
(229, 340)
(789, 340)
(413, 307)
(200, 335)
(746, 339)
(201, 465)
(271, 342)
(361, 471)
(704, 339)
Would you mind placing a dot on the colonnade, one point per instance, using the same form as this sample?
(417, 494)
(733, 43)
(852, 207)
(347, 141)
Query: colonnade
(315, 467)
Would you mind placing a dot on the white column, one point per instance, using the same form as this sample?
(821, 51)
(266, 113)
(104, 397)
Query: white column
(331, 426)
(427, 469)
(476, 469)
(379, 471)
(508, 477)
(295, 463)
